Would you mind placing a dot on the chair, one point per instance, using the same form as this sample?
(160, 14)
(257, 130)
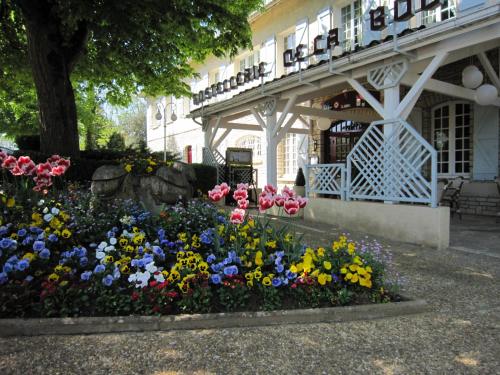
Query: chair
(451, 196)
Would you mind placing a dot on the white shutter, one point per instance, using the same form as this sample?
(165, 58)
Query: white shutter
(268, 56)
(485, 148)
(302, 37)
(368, 34)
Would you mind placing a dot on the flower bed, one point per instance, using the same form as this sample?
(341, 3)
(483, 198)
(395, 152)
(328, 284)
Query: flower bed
(66, 255)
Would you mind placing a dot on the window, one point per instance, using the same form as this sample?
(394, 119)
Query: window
(451, 131)
(446, 11)
(253, 142)
(351, 24)
(324, 25)
(291, 147)
(289, 43)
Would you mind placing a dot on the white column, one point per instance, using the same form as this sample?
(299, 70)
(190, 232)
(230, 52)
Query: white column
(391, 102)
(271, 149)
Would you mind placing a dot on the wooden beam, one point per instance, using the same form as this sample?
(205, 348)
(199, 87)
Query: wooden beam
(360, 115)
(375, 104)
(441, 87)
(258, 117)
(406, 105)
(303, 120)
(489, 70)
(289, 104)
(214, 131)
(240, 126)
(281, 133)
(221, 138)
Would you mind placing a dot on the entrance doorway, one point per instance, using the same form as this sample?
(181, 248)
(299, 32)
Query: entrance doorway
(341, 138)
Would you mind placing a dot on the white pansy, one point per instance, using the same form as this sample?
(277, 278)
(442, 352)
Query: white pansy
(48, 217)
(100, 254)
(112, 241)
(55, 211)
(159, 278)
(132, 278)
(151, 267)
(45, 210)
(41, 202)
(109, 248)
(102, 245)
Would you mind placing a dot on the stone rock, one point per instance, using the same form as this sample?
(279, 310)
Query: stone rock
(167, 186)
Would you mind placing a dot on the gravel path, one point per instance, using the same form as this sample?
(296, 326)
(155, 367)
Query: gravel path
(461, 335)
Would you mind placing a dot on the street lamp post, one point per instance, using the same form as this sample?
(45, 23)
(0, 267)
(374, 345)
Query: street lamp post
(159, 117)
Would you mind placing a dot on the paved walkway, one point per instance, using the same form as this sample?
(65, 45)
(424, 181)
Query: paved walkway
(460, 335)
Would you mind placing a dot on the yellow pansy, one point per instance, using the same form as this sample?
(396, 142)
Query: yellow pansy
(266, 281)
(128, 168)
(357, 260)
(249, 276)
(348, 276)
(64, 283)
(321, 251)
(354, 278)
(353, 267)
(29, 256)
(368, 269)
(58, 268)
(322, 278)
(149, 170)
(11, 202)
(250, 283)
(293, 268)
(327, 265)
(108, 259)
(257, 274)
(258, 258)
(53, 277)
(66, 233)
(361, 271)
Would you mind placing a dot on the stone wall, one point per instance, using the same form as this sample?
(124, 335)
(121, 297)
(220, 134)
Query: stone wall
(476, 205)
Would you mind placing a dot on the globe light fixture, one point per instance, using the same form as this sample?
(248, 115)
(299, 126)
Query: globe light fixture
(323, 123)
(486, 94)
(472, 77)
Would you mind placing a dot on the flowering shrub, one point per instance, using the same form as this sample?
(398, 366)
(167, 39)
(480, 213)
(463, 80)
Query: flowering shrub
(138, 165)
(70, 256)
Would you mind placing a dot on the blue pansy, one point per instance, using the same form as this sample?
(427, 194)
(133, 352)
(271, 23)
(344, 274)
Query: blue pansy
(276, 282)
(29, 279)
(44, 254)
(85, 276)
(211, 258)
(5, 243)
(230, 271)
(38, 245)
(290, 275)
(7, 267)
(22, 264)
(84, 261)
(99, 268)
(52, 237)
(22, 232)
(216, 267)
(107, 280)
(116, 273)
(280, 268)
(3, 278)
(206, 237)
(216, 279)
(3, 230)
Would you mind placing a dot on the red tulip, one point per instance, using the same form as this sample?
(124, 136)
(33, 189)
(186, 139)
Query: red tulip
(270, 189)
(302, 201)
(266, 200)
(243, 204)
(279, 200)
(225, 188)
(16, 171)
(43, 169)
(26, 164)
(240, 194)
(287, 192)
(9, 162)
(216, 194)
(237, 216)
(291, 206)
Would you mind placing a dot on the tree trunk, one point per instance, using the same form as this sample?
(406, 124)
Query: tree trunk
(51, 66)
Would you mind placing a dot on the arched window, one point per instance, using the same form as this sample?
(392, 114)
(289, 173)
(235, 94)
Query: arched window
(253, 142)
(452, 137)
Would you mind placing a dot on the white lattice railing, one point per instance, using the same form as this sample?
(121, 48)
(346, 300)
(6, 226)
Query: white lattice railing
(216, 160)
(387, 164)
(326, 179)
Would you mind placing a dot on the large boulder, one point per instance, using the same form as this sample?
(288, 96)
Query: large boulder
(167, 185)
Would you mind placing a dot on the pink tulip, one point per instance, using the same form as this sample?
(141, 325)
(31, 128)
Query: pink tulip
(16, 171)
(291, 206)
(242, 186)
(243, 204)
(270, 189)
(224, 188)
(240, 194)
(287, 192)
(266, 200)
(9, 162)
(237, 216)
(216, 194)
(26, 164)
(279, 200)
(43, 169)
(54, 160)
(43, 181)
(302, 201)
(64, 163)
(58, 171)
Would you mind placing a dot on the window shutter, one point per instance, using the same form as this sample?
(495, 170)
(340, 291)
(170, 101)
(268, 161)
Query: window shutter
(485, 158)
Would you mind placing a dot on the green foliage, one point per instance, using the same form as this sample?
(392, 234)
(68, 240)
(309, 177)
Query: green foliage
(233, 295)
(271, 298)
(116, 142)
(206, 178)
